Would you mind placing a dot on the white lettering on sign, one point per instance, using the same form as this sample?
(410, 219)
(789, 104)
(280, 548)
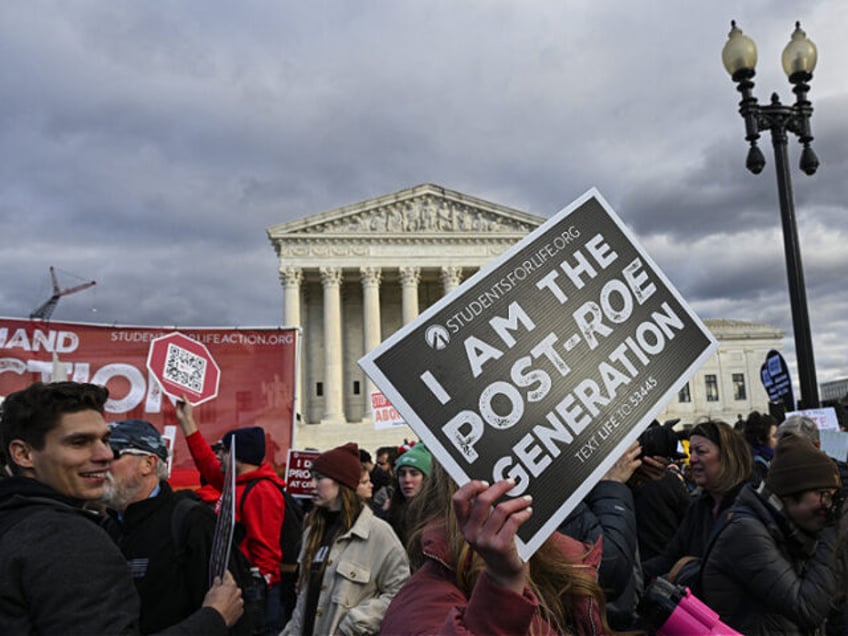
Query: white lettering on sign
(139, 389)
(546, 364)
(52, 341)
(571, 415)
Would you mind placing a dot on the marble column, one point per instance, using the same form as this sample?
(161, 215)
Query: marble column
(331, 279)
(451, 278)
(291, 278)
(409, 277)
(370, 319)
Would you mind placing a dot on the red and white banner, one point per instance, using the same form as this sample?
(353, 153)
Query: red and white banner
(383, 414)
(257, 377)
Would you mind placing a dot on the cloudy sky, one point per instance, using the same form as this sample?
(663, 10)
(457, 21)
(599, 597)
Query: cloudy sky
(148, 145)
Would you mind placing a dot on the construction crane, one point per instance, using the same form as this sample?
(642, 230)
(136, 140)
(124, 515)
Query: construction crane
(46, 310)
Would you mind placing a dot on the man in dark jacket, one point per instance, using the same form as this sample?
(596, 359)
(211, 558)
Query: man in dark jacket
(171, 579)
(770, 568)
(62, 574)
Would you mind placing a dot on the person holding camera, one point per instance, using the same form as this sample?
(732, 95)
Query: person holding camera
(771, 567)
(660, 496)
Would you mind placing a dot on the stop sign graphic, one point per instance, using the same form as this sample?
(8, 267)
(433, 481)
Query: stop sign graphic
(184, 367)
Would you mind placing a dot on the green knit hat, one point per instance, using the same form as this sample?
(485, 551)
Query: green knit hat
(416, 457)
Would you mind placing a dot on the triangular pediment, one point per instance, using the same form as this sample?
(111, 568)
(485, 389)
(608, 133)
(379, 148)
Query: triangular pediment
(427, 209)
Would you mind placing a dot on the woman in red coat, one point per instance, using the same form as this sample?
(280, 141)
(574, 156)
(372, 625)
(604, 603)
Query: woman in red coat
(470, 579)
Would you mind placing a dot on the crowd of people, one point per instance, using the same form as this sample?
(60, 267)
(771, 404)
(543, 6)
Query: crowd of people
(93, 539)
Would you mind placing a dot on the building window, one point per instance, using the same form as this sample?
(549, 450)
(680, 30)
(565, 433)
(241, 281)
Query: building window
(683, 394)
(712, 387)
(319, 389)
(739, 387)
(356, 387)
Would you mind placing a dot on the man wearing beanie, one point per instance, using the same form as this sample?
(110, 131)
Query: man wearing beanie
(769, 569)
(259, 503)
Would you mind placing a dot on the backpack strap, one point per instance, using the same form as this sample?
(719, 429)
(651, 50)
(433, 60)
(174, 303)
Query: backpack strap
(290, 531)
(252, 483)
(247, 489)
(735, 511)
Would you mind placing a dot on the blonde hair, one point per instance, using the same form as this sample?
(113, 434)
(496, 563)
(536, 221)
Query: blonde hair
(735, 461)
(558, 584)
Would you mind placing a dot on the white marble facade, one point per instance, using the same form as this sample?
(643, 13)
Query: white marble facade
(737, 389)
(353, 275)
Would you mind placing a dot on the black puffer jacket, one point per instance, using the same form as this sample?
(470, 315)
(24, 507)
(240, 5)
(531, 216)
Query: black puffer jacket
(764, 575)
(692, 536)
(608, 511)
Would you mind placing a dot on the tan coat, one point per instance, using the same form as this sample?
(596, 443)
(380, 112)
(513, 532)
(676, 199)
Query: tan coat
(366, 568)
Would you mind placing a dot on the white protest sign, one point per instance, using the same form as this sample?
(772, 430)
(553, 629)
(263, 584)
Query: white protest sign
(835, 444)
(383, 414)
(547, 364)
(825, 418)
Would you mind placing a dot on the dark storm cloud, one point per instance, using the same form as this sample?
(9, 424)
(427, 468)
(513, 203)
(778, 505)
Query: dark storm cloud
(149, 147)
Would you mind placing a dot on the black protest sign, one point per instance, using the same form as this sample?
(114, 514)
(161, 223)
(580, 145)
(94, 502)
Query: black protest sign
(222, 540)
(547, 364)
(776, 380)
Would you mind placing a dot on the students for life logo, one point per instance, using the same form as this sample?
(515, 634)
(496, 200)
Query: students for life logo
(437, 337)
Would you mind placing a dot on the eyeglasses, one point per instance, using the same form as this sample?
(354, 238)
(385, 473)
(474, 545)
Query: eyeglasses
(827, 497)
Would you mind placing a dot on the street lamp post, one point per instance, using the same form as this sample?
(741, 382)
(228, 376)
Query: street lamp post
(799, 60)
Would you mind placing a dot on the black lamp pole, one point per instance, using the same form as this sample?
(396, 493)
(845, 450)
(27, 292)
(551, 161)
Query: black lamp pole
(799, 59)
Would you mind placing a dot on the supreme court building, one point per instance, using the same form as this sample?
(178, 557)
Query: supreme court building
(354, 275)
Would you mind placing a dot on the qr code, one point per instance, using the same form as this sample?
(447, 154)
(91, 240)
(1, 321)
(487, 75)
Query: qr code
(185, 368)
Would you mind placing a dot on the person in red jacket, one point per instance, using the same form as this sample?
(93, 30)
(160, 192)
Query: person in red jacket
(259, 512)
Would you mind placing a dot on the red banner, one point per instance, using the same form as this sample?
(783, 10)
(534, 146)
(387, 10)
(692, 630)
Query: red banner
(257, 382)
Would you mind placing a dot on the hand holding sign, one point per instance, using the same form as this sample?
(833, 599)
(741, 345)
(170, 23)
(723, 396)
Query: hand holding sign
(225, 598)
(185, 416)
(626, 465)
(490, 529)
